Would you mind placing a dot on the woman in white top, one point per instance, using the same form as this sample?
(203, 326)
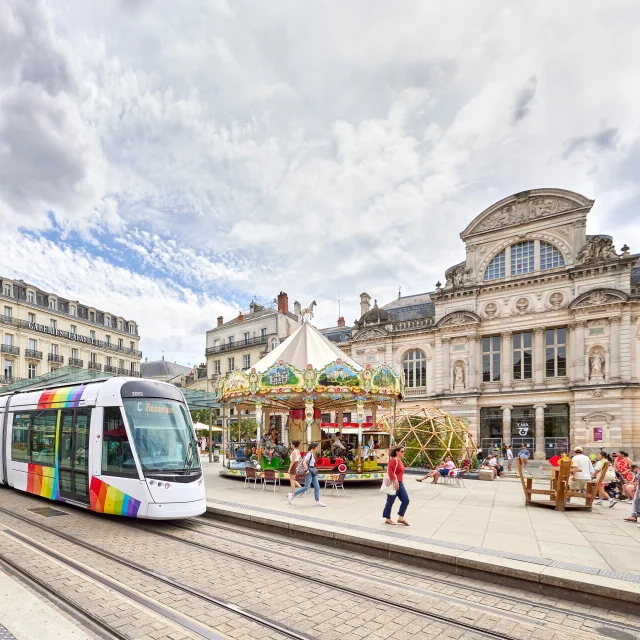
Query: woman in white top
(610, 476)
(509, 457)
(294, 458)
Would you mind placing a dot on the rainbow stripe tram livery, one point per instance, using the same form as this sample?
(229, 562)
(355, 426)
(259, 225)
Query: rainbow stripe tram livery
(120, 446)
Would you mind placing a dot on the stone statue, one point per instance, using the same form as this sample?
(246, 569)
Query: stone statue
(458, 276)
(458, 376)
(596, 365)
(597, 248)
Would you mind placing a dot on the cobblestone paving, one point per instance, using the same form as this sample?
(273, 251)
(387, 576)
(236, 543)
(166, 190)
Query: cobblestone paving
(467, 589)
(320, 611)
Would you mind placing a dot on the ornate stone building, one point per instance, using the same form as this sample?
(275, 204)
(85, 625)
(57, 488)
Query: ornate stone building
(533, 339)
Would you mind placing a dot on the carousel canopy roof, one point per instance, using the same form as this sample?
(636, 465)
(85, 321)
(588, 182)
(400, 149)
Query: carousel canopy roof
(305, 346)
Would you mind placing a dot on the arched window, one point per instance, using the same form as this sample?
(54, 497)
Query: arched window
(415, 368)
(522, 258)
(496, 267)
(550, 257)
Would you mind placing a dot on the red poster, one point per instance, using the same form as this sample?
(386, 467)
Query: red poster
(597, 434)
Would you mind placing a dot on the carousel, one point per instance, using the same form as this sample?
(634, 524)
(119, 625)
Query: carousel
(301, 379)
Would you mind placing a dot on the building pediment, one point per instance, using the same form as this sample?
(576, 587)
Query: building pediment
(525, 207)
(370, 334)
(458, 318)
(599, 297)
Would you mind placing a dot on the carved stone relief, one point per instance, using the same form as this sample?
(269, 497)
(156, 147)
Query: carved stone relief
(490, 309)
(458, 376)
(597, 248)
(522, 307)
(556, 300)
(458, 277)
(525, 210)
(598, 298)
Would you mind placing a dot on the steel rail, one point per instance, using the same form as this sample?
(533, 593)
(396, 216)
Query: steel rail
(82, 615)
(162, 609)
(412, 574)
(434, 617)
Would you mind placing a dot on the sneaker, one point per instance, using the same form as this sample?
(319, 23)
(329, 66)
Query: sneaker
(290, 498)
(599, 502)
(612, 503)
(320, 504)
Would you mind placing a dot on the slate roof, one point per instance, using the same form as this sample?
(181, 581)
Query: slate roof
(162, 370)
(411, 307)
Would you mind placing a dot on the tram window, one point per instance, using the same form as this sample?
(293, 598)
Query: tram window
(20, 439)
(43, 437)
(117, 458)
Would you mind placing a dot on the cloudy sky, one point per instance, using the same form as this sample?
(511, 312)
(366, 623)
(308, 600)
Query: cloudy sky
(168, 161)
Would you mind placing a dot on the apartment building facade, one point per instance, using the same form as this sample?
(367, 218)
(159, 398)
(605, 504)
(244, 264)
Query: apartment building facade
(41, 331)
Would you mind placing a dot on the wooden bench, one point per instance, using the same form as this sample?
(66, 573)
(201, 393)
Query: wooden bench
(559, 491)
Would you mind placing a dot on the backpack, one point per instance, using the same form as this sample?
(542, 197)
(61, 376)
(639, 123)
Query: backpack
(301, 468)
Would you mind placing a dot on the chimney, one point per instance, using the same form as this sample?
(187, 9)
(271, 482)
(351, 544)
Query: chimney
(240, 317)
(341, 321)
(283, 303)
(220, 321)
(365, 303)
(297, 309)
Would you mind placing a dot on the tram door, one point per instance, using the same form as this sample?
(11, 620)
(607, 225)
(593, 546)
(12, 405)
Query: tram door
(73, 454)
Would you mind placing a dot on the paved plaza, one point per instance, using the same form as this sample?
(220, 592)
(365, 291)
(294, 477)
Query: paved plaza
(485, 515)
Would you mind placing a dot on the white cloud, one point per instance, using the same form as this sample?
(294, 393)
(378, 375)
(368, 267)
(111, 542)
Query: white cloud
(311, 148)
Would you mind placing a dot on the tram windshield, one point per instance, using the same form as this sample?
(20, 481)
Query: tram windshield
(162, 435)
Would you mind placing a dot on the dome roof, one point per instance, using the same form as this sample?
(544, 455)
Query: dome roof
(375, 316)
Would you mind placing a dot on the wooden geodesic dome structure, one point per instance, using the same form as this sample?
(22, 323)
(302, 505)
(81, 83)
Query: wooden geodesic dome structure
(428, 435)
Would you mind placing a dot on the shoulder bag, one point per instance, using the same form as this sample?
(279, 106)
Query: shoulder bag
(388, 487)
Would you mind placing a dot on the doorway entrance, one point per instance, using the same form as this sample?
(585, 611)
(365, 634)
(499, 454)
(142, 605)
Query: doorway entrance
(73, 454)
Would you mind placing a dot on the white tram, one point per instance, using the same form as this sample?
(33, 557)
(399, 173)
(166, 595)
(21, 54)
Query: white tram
(122, 446)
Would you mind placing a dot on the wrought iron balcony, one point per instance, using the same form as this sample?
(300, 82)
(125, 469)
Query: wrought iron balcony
(75, 362)
(241, 344)
(95, 366)
(32, 354)
(9, 379)
(54, 357)
(122, 371)
(110, 369)
(10, 349)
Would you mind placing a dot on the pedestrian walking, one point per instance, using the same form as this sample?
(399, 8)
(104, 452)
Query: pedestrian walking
(395, 471)
(610, 476)
(524, 455)
(311, 477)
(509, 457)
(295, 456)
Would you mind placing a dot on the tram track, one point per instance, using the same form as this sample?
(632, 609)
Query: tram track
(623, 631)
(87, 619)
(370, 563)
(290, 633)
(167, 612)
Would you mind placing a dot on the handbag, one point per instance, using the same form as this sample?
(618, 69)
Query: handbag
(387, 486)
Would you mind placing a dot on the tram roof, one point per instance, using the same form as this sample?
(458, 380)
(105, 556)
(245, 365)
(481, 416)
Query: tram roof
(67, 375)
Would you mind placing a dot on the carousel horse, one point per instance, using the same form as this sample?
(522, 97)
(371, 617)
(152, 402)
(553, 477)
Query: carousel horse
(307, 313)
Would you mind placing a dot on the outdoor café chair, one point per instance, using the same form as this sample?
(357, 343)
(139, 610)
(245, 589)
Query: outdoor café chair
(251, 474)
(335, 482)
(269, 475)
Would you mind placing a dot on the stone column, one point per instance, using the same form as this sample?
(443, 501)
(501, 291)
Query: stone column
(472, 380)
(578, 344)
(540, 451)
(506, 424)
(431, 383)
(507, 357)
(635, 352)
(538, 355)
(614, 347)
(446, 366)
